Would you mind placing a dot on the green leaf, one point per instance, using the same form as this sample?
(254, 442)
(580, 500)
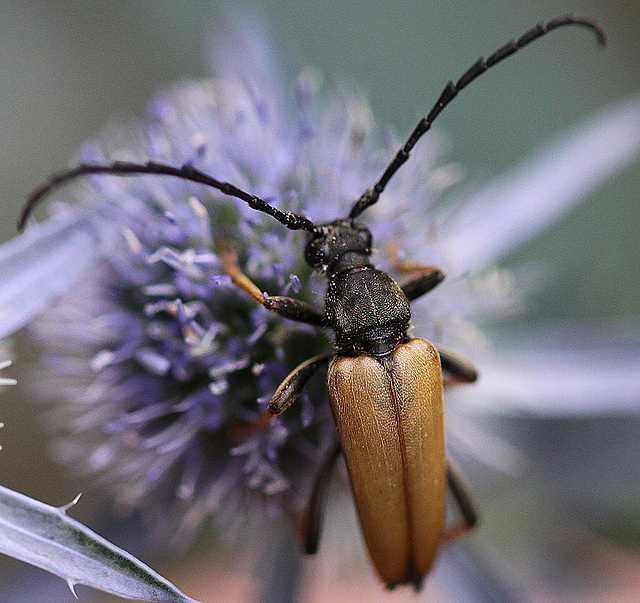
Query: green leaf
(48, 538)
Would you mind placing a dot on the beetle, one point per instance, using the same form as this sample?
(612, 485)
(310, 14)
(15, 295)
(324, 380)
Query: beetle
(385, 387)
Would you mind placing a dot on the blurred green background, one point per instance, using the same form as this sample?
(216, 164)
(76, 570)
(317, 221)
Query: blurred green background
(68, 67)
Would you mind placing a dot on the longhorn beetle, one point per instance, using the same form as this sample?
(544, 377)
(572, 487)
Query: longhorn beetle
(385, 388)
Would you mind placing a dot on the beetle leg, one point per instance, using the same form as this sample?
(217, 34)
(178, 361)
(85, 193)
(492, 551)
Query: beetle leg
(310, 524)
(294, 382)
(285, 396)
(461, 495)
(422, 283)
(429, 276)
(294, 309)
(457, 367)
(288, 307)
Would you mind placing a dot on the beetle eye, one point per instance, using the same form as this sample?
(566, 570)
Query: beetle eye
(313, 252)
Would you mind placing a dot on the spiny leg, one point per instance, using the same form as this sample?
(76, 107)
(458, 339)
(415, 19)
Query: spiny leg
(457, 368)
(288, 307)
(461, 495)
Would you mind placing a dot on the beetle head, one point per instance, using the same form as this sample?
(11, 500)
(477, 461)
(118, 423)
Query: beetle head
(337, 243)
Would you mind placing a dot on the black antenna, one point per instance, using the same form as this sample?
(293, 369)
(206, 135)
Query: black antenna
(186, 172)
(371, 195)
